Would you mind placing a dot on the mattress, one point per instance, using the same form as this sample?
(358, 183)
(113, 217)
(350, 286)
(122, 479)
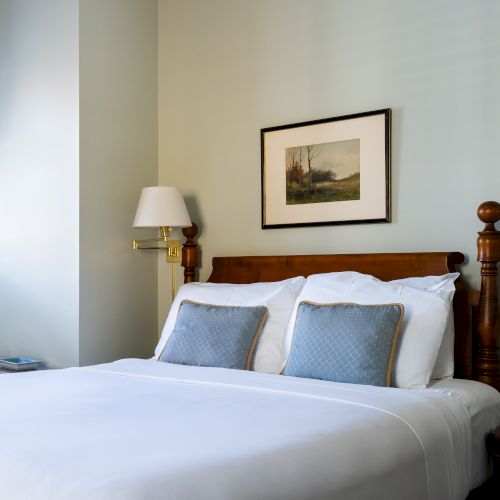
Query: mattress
(141, 429)
(483, 405)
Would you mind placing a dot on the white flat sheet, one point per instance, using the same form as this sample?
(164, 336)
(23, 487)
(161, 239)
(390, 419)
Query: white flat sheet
(483, 404)
(141, 429)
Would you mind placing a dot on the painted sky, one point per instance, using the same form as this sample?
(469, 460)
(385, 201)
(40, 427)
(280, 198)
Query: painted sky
(341, 157)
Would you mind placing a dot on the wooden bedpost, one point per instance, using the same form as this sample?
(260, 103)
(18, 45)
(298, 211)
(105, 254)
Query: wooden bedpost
(488, 245)
(190, 253)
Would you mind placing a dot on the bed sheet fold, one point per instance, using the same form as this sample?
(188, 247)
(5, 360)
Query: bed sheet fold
(142, 429)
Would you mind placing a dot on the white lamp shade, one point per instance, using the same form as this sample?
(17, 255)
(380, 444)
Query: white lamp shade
(161, 206)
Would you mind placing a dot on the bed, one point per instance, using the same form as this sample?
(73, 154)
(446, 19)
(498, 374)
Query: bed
(142, 429)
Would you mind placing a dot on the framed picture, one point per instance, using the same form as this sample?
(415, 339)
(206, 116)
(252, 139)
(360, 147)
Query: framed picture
(331, 171)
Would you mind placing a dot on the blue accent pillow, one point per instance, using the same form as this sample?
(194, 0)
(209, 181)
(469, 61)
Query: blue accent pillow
(218, 336)
(343, 342)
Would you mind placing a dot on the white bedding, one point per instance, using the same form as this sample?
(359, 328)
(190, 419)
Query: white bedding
(483, 404)
(141, 429)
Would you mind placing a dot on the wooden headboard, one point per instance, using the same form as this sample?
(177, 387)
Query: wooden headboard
(476, 325)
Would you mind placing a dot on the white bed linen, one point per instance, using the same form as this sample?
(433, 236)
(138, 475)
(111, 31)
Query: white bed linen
(141, 429)
(483, 404)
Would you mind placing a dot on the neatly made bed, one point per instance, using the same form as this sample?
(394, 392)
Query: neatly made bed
(139, 429)
(143, 429)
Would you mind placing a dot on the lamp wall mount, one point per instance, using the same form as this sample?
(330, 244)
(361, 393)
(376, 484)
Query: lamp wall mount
(172, 247)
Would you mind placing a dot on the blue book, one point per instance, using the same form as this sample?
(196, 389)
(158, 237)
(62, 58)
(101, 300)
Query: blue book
(20, 364)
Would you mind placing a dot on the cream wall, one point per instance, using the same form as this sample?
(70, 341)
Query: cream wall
(227, 68)
(78, 141)
(39, 179)
(118, 156)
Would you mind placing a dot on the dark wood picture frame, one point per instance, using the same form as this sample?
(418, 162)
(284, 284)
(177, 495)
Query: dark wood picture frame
(383, 214)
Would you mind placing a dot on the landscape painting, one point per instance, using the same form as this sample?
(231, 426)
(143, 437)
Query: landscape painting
(327, 171)
(322, 173)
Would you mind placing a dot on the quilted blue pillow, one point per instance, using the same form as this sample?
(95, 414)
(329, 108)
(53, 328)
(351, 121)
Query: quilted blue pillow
(219, 336)
(343, 342)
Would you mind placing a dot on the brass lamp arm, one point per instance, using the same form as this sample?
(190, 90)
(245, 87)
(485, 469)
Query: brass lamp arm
(164, 231)
(172, 247)
(139, 244)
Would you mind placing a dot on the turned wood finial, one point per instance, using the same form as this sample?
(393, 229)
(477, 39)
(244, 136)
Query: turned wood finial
(488, 246)
(190, 253)
(489, 211)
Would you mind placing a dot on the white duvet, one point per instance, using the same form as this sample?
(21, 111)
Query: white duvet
(145, 430)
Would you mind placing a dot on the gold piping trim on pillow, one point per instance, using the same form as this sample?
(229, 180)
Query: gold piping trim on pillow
(395, 338)
(395, 333)
(253, 344)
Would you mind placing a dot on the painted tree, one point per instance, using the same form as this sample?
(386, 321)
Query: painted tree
(294, 170)
(323, 176)
(312, 151)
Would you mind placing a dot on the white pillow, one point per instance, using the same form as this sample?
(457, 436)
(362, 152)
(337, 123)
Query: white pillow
(445, 362)
(279, 297)
(425, 318)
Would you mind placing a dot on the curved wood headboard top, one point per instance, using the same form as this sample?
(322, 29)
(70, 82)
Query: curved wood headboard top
(476, 325)
(385, 266)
